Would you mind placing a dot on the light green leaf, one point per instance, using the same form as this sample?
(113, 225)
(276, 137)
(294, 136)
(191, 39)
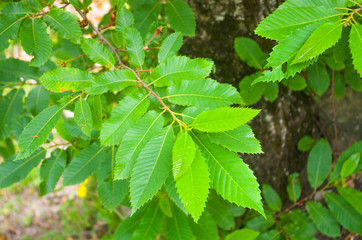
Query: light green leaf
(126, 113)
(83, 116)
(251, 93)
(323, 219)
(112, 192)
(178, 227)
(313, 3)
(84, 164)
(14, 171)
(134, 141)
(293, 188)
(146, 15)
(344, 213)
(64, 79)
(151, 168)
(283, 21)
(352, 196)
(95, 104)
(350, 165)
(180, 17)
(165, 205)
(35, 41)
(272, 198)
(205, 93)
(193, 186)
(250, 52)
(37, 100)
(124, 19)
(305, 143)
(183, 153)
(223, 119)
(170, 187)
(230, 176)
(270, 235)
(319, 163)
(318, 78)
(63, 23)
(97, 52)
(241, 140)
(178, 68)
(355, 44)
(134, 46)
(205, 228)
(113, 81)
(296, 83)
(12, 70)
(51, 170)
(245, 234)
(170, 47)
(322, 38)
(271, 75)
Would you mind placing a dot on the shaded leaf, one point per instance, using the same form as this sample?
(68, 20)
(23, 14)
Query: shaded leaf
(318, 78)
(272, 198)
(112, 192)
(37, 100)
(250, 52)
(178, 226)
(83, 116)
(293, 188)
(180, 16)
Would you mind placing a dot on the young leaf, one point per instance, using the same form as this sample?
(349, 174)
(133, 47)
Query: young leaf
(323, 219)
(112, 192)
(305, 143)
(124, 19)
(83, 116)
(296, 83)
(84, 164)
(146, 15)
(14, 171)
(241, 140)
(319, 163)
(322, 38)
(344, 213)
(250, 52)
(352, 196)
(35, 41)
(134, 46)
(37, 100)
(355, 44)
(151, 168)
(64, 79)
(223, 119)
(112, 81)
(180, 16)
(293, 188)
(318, 78)
(193, 186)
(63, 23)
(205, 93)
(175, 69)
(97, 52)
(178, 227)
(38, 130)
(246, 234)
(95, 104)
(183, 153)
(272, 198)
(229, 175)
(51, 170)
(134, 141)
(350, 165)
(169, 47)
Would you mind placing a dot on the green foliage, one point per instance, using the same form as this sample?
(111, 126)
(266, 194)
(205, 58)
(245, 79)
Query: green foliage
(97, 52)
(250, 52)
(83, 116)
(293, 188)
(180, 17)
(305, 143)
(134, 46)
(170, 47)
(272, 198)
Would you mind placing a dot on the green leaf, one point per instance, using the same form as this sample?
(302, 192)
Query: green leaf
(296, 83)
(11, 107)
(323, 219)
(183, 153)
(134, 46)
(84, 164)
(319, 163)
(112, 81)
(178, 227)
(193, 186)
(293, 188)
(270, 235)
(165, 205)
(322, 38)
(124, 115)
(339, 85)
(250, 52)
(230, 176)
(35, 41)
(241, 140)
(245, 234)
(350, 165)
(38, 130)
(259, 223)
(97, 52)
(297, 224)
(283, 21)
(272, 198)
(223, 119)
(14, 171)
(126, 228)
(112, 192)
(355, 43)
(151, 168)
(178, 68)
(134, 141)
(271, 91)
(352, 196)
(353, 80)
(220, 211)
(124, 19)
(344, 213)
(170, 47)
(318, 78)
(271, 75)
(63, 23)
(251, 93)
(146, 15)
(180, 17)
(83, 116)
(37, 100)
(205, 93)
(205, 228)
(305, 143)
(95, 104)
(51, 170)
(13, 70)
(313, 3)
(170, 187)
(64, 79)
